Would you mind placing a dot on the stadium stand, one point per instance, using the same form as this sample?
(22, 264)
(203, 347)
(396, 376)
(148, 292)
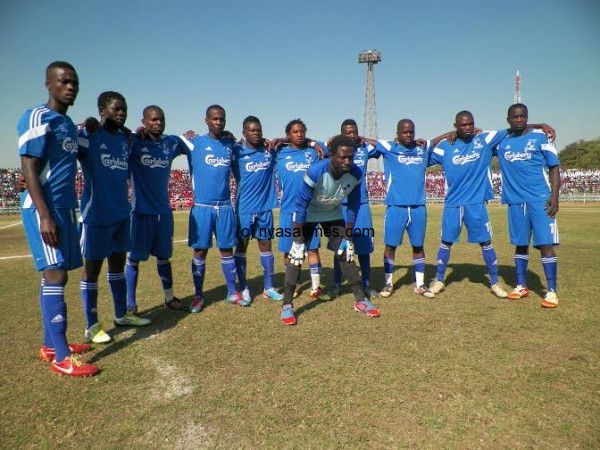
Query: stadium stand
(576, 185)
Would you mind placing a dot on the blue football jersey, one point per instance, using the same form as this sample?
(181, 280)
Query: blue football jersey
(404, 171)
(362, 154)
(51, 137)
(290, 166)
(524, 162)
(321, 195)
(210, 167)
(104, 159)
(467, 167)
(253, 170)
(150, 166)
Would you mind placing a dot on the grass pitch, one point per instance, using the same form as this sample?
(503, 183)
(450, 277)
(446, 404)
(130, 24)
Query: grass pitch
(464, 370)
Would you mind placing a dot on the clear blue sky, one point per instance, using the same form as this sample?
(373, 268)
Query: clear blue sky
(280, 60)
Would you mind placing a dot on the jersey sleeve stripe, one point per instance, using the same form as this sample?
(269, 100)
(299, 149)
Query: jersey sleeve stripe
(490, 136)
(187, 143)
(33, 133)
(438, 151)
(385, 144)
(309, 181)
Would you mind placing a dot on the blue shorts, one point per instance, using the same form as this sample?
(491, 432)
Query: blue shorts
(286, 225)
(99, 242)
(67, 255)
(258, 226)
(413, 219)
(151, 234)
(474, 217)
(206, 220)
(363, 230)
(526, 219)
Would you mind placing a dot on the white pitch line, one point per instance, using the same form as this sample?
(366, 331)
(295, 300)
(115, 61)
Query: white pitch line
(181, 240)
(11, 225)
(13, 257)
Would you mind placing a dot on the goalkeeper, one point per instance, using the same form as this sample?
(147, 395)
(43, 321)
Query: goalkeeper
(325, 185)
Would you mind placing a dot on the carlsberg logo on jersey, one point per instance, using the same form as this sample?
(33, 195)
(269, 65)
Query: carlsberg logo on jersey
(513, 156)
(153, 162)
(465, 159)
(297, 167)
(408, 160)
(256, 166)
(113, 163)
(217, 161)
(69, 145)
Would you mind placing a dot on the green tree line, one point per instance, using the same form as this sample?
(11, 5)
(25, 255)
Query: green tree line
(581, 155)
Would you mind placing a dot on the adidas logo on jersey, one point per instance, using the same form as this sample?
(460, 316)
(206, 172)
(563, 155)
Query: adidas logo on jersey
(208, 149)
(456, 150)
(507, 147)
(103, 146)
(58, 319)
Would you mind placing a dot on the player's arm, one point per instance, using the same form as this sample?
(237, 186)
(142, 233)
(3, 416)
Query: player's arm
(450, 136)
(552, 203)
(31, 167)
(353, 207)
(547, 129)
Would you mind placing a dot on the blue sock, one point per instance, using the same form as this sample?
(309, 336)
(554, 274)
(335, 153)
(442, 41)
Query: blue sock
(54, 311)
(118, 289)
(267, 261)
(198, 269)
(89, 296)
(521, 262)
(550, 264)
(165, 272)
(229, 272)
(491, 261)
(337, 271)
(131, 277)
(443, 257)
(240, 267)
(45, 327)
(365, 269)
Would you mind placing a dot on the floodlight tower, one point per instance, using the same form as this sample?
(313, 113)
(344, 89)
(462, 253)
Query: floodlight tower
(518, 88)
(370, 58)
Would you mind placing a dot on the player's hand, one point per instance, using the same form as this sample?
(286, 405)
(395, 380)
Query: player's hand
(21, 184)
(421, 142)
(548, 131)
(477, 131)
(296, 253)
(189, 135)
(142, 132)
(90, 125)
(320, 151)
(49, 231)
(348, 247)
(551, 206)
(277, 143)
(452, 136)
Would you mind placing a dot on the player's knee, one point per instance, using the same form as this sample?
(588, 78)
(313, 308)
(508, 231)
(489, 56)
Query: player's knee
(485, 244)
(447, 244)
(417, 249)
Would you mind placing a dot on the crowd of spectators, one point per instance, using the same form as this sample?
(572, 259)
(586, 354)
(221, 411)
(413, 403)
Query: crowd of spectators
(573, 182)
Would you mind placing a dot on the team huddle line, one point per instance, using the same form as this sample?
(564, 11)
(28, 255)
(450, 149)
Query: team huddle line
(323, 194)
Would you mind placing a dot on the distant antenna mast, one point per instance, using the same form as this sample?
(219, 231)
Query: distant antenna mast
(518, 88)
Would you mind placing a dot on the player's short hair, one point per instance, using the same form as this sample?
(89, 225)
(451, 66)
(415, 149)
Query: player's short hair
(108, 96)
(463, 113)
(215, 106)
(511, 108)
(338, 141)
(250, 119)
(291, 123)
(348, 122)
(59, 65)
(149, 108)
(403, 121)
